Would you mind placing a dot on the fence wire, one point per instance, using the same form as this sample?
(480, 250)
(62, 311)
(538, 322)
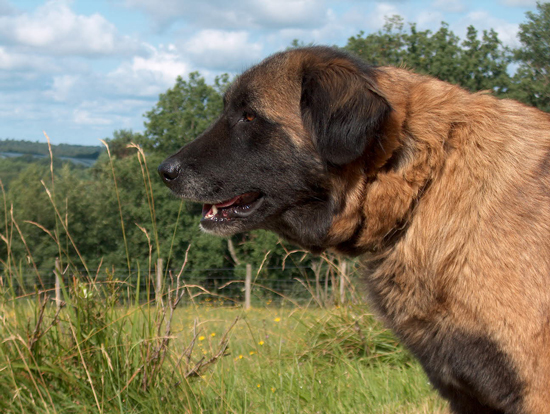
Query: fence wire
(212, 286)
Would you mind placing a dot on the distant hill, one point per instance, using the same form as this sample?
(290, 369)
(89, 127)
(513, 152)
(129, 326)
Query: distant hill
(12, 146)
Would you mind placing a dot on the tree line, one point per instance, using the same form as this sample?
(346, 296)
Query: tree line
(118, 215)
(41, 148)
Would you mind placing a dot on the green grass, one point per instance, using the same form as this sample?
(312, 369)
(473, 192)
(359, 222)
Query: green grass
(98, 356)
(103, 351)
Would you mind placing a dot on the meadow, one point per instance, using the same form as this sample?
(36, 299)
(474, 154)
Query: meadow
(100, 347)
(95, 355)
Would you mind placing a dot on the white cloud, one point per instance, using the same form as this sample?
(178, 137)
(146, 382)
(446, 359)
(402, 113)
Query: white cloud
(449, 6)
(222, 50)
(429, 19)
(55, 29)
(78, 76)
(223, 14)
(148, 76)
(12, 61)
(6, 8)
(365, 16)
(377, 18)
(62, 87)
(20, 107)
(482, 20)
(115, 114)
(162, 10)
(84, 117)
(519, 3)
(288, 13)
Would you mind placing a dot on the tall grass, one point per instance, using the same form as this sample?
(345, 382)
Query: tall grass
(100, 350)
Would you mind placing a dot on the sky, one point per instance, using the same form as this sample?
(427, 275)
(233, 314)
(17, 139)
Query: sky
(81, 69)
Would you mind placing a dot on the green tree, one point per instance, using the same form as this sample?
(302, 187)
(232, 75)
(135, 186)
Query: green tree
(148, 206)
(183, 112)
(484, 62)
(119, 143)
(434, 54)
(532, 79)
(385, 47)
(475, 63)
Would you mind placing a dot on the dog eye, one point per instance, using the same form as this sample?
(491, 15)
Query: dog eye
(248, 117)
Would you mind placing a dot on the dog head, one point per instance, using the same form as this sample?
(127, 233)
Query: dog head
(290, 126)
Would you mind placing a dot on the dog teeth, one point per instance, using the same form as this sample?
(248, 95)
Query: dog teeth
(211, 213)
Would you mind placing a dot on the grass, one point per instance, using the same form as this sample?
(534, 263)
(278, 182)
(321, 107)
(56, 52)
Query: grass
(101, 350)
(95, 355)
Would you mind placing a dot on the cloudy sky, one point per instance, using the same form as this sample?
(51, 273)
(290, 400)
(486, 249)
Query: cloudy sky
(81, 69)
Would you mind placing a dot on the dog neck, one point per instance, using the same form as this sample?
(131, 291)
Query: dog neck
(379, 192)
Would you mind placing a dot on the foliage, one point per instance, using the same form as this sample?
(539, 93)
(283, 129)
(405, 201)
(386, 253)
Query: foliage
(476, 63)
(117, 215)
(117, 212)
(532, 80)
(106, 352)
(183, 112)
(89, 353)
(384, 47)
(120, 144)
(353, 333)
(99, 352)
(61, 150)
(11, 168)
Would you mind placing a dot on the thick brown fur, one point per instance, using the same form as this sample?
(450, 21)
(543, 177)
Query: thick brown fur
(445, 193)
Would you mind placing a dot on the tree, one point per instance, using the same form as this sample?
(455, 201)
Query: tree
(434, 54)
(118, 144)
(475, 64)
(484, 62)
(183, 112)
(532, 79)
(385, 47)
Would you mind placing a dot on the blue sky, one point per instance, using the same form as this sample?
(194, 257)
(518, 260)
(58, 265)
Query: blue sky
(81, 69)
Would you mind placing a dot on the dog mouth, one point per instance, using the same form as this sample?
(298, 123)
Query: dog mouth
(238, 207)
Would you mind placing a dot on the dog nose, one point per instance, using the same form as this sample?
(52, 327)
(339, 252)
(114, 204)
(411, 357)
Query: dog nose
(168, 171)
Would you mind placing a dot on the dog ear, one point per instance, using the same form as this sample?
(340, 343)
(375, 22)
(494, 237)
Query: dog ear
(342, 109)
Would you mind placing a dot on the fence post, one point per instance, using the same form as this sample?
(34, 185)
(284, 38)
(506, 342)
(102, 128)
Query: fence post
(158, 287)
(247, 286)
(343, 268)
(57, 274)
(316, 267)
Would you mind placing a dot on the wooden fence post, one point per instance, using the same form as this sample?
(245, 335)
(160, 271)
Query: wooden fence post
(316, 267)
(248, 286)
(158, 287)
(57, 273)
(343, 268)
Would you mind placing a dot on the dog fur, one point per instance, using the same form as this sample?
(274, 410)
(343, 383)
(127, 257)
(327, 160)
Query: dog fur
(444, 193)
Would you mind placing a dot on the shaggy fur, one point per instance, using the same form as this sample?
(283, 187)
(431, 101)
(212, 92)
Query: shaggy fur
(445, 193)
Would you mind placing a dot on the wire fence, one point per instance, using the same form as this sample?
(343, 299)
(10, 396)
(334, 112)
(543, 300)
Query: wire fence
(324, 284)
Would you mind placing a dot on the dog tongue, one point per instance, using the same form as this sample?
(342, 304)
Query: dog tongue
(228, 202)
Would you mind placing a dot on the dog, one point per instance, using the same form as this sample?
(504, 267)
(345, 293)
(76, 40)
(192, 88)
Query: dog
(444, 193)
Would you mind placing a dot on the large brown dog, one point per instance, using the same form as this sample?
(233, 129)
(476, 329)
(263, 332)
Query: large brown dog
(445, 193)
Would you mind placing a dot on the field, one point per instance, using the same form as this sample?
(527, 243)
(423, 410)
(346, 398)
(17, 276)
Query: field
(97, 354)
(104, 345)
